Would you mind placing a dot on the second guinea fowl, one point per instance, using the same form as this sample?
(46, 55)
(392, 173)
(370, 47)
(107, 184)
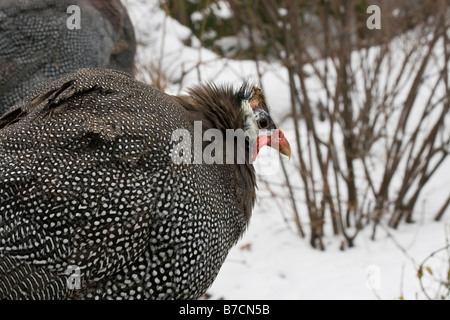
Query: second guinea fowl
(88, 182)
(42, 40)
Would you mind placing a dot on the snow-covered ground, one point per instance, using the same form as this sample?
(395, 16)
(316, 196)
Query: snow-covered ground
(272, 261)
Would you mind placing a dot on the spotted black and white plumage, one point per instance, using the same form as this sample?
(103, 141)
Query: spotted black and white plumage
(87, 180)
(36, 46)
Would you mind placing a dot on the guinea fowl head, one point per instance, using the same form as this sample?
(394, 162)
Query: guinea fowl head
(243, 109)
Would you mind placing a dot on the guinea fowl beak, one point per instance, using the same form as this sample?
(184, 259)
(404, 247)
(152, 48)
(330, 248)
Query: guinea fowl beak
(276, 140)
(280, 142)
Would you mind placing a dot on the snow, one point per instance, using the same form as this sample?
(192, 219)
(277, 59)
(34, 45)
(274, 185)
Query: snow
(271, 261)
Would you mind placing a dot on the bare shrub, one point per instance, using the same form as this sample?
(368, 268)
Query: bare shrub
(370, 124)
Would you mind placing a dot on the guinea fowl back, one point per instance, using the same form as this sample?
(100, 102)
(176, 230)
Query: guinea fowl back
(87, 181)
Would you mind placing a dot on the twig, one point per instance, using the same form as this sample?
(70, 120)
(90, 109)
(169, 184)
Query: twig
(421, 268)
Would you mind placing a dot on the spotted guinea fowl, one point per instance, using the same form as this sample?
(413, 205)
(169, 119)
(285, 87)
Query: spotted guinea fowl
(40, 41)
(88, 183)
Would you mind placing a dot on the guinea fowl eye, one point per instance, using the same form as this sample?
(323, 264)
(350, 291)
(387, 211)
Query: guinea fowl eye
(263, 123)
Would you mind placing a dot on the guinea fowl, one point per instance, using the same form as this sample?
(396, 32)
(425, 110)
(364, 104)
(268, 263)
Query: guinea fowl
(88, 183)
(39, 44)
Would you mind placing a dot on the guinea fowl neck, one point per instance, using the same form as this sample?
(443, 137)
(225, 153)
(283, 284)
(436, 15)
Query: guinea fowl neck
(220, 108)
(217, 108)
